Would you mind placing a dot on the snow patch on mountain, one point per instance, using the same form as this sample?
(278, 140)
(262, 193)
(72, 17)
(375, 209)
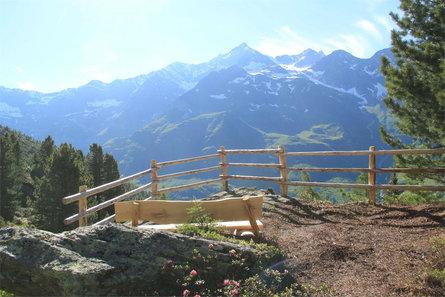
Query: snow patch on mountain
(255, 67)
(105, 103)
(381, 90)
(373, 72)
(238, 80)
(7, 110)
(219, 97)
(351, 91)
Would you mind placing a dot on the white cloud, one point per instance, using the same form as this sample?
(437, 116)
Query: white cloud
(350, 43)
(20, 69)
(385, 21)
(369, 27)
(289, 42)
(26, 85)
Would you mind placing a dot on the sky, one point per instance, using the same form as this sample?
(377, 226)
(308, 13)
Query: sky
(51, 45)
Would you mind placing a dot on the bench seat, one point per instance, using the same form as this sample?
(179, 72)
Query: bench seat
(234, 213)
(234, 225)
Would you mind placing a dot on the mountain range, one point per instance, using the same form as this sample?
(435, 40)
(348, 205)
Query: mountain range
(241, 99)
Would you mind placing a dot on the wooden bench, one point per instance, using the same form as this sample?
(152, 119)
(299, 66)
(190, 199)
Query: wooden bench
(234, 213)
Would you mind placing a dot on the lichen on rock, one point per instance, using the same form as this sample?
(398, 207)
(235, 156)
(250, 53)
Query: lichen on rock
(97, 260)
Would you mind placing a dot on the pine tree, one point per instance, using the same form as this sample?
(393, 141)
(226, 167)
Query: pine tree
(62, 178)
(8, 203)
(42, 158)
(416, 90)
(111, 173)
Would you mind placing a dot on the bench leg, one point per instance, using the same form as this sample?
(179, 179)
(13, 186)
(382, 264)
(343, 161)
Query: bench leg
(252, 220)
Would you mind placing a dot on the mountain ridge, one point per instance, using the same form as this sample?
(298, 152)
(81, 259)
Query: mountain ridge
(309, 101)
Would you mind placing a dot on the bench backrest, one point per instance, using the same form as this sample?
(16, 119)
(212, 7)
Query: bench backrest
(176, 212)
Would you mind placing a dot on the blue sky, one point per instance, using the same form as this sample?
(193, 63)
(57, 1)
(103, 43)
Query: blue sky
(50, 45)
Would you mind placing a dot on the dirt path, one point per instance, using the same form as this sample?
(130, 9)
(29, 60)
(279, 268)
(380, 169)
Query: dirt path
(357, 249)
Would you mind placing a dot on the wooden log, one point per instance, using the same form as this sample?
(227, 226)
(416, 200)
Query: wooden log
(411, 152)
(166, 176)
(135, 219)
(363, 153)
(102, 188)
(225, 182)
(366, 187)
(283, 171)
(252, 219)
(175, 162)
(366, 170)
(371, 176)
(409, 170)
(106, 220)
(278, 166)
(329, 185)
(261, 151)
(259, 178)
(154, 179)
(105, 204)
(82, 206)
(179, 188)
(410, 188)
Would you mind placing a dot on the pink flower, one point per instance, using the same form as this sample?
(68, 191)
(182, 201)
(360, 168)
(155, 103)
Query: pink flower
(226, 282)
(211, 245)
(286, 271)
(186, 292)
(197, 295)
(155, 293)
(169, 262)
(236, 283)
(193, 272)
(234, 291)
(276, 271)
(232, 252)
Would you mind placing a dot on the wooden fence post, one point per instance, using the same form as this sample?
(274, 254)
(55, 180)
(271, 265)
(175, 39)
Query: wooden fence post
(82, 206)
(371, 176)
(154, 180)
(225, 182)
(283, 171)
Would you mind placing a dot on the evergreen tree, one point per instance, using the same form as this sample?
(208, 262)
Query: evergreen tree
(95, 165)
(416, 90)
(62, 178)
(111, 173)
(42, 158)
(8, 204)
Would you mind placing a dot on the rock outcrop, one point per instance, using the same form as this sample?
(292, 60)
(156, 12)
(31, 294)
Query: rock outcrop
(98, 260)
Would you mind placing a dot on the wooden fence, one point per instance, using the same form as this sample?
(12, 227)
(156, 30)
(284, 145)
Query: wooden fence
(224, 178)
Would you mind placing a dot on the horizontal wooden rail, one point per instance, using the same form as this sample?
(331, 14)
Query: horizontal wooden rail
(102, 188)
(367, 187)
(282, 180)
(377, 170)
(105, 204)
(278, 166)
(264, 151)
(179, 188)
(246, 177)
(180, 161)
(106, 220)
(366, 153)
(113, 217)
(162, 177)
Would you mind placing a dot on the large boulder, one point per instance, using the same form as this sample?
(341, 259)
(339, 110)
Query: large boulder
(99, 260)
